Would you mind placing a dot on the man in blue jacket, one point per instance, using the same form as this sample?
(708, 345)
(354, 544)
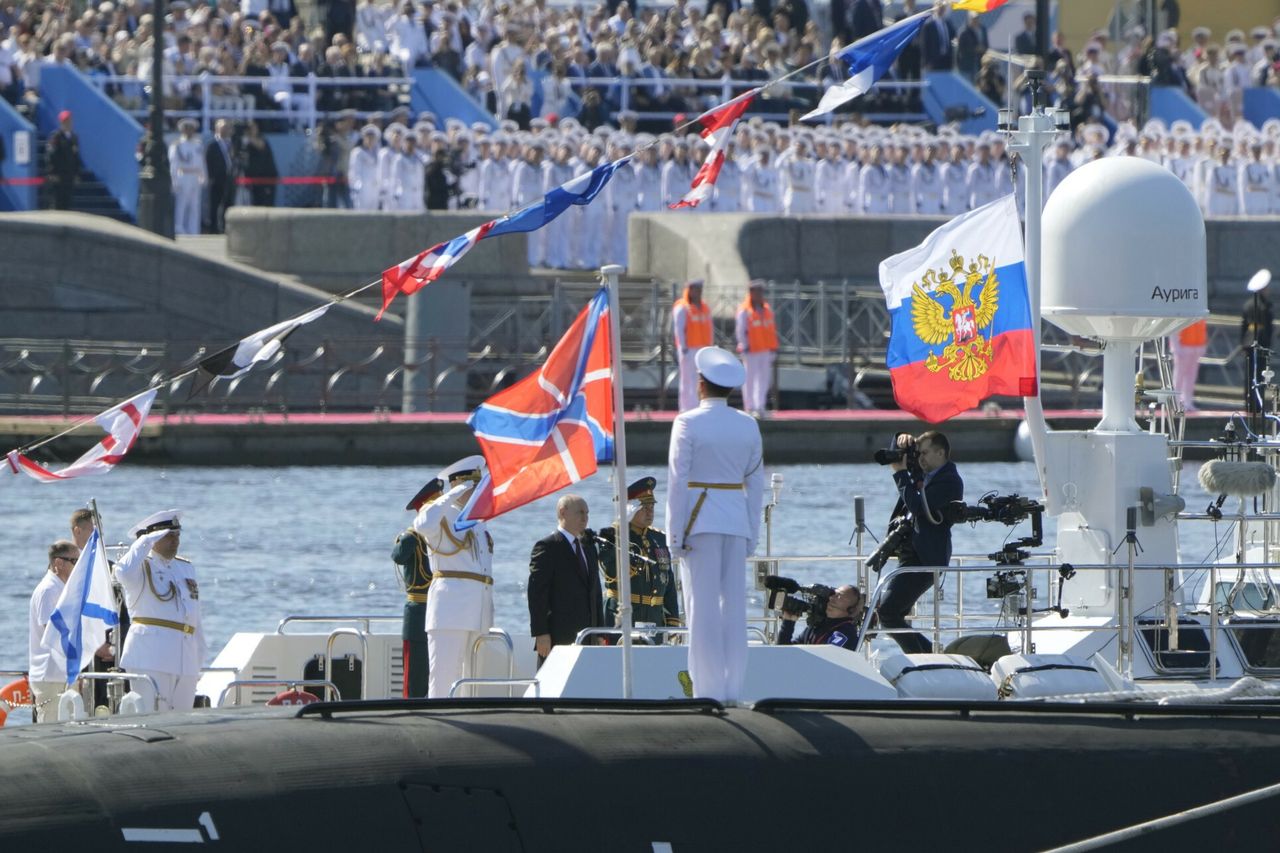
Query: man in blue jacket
(923, 494)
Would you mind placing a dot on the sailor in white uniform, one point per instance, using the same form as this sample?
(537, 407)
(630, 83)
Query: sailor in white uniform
(728, 189)
(797, 180)
(828, 178)
(955, 183)
(620, 196)
(409, 177)
(460, 606)
(899, 185)
(187, 171)
(362, 170)
(495, 178)
(873, 185)
(980, 181)
(926, 184)
(526, 189)
(166, 638)
(1222, 187)
(760, 183)
(559, 241)
(715, 482)
(1255, 183)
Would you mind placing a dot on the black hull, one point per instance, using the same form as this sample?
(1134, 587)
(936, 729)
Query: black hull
(612, 776)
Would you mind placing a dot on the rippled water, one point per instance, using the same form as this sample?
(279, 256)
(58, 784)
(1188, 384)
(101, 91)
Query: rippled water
(269, 542)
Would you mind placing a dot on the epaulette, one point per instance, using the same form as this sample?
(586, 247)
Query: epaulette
(182, 560)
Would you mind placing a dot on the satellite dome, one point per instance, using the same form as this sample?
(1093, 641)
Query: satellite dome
(1123, 252)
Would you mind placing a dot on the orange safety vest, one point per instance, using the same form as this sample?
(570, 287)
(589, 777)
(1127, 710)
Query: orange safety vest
(761, 335)
(1195, 335)
(697, 329)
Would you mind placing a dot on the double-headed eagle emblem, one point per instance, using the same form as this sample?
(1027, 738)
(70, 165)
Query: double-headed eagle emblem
(968, 355)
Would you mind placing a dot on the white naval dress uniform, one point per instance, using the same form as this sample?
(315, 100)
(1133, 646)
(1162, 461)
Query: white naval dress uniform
(981, 183)
(460, 606)
(899, 188)
(1255, 188)
(166, 638)
(559, 243)
(828, 178)
(648, 188)
(676, 180)
(728, 189)
(926, 189)
(873, 189)
(409, 182)
(362, 177)
(526, 188)
(187, 171)
(955, 194)
(1222, 191)
(620, 201)
(713, 536)
(386, 185)
(761, 183)
(797, 186)
(495, 186)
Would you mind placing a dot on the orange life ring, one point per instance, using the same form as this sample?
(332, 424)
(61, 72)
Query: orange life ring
(14, 694)
(293, 697)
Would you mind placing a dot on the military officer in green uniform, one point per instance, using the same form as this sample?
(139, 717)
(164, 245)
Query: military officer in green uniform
(410, 554)
(654, 598)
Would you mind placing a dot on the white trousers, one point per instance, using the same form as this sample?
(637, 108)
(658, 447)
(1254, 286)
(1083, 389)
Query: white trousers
(174, 692)
(713, 573)
(45, 694)
(755, 392)
(186, 205)
(1186, 368)
(449, 655)
(689, 380)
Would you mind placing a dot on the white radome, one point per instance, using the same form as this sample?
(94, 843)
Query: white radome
(1124, 252)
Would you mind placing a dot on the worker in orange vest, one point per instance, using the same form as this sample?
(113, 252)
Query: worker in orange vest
(691, 325)
(1188, 346)
(758, 343)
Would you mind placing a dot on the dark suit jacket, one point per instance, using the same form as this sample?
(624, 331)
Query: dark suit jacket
(561, 601)
(938, 53)
(866, 17)
(1024, 42)
(930, 544)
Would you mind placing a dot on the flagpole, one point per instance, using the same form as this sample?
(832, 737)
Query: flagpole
(622, 542)
(117, 641)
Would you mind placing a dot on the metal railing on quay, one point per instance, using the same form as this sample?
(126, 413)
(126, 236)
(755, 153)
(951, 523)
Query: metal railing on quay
(243, 98)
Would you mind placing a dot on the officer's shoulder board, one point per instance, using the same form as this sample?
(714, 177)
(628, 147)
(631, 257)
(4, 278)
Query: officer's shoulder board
(183, 560)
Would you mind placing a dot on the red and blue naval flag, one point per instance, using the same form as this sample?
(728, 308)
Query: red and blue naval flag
(959, 315)
(552, 428)
(417, 272)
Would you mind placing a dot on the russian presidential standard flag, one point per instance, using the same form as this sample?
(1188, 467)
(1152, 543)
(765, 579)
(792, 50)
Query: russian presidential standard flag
(551, 428)
(85, 610)
(959, 315)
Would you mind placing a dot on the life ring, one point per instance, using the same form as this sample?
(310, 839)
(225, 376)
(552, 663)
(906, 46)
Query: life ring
(293, 697)
(13, 695)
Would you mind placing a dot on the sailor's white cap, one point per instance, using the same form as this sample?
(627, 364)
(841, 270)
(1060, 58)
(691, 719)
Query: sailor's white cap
(164, 520)
(720, 367)
(470, 467)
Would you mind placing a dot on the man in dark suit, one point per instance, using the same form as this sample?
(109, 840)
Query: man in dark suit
(1025, 41)
(220, 165)
(866, 17)
(923, 496)
(939, 55)
(63, 149)
(564, 580)
(971, 44)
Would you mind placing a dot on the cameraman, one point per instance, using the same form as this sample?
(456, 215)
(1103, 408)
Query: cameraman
(924, 491)
(839, 628)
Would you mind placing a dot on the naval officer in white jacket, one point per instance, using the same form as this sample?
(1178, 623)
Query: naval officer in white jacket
(165, 639)
(715, 483)
(460, 604)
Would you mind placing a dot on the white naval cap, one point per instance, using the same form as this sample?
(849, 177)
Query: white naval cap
(470, 467)
(164, 520)
(720, 367)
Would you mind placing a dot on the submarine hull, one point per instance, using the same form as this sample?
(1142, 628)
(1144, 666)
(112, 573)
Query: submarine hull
(557, 775)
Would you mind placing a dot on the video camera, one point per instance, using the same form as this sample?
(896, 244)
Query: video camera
(790, 597)
(900, 531)
(1008, 510)
(893, 454)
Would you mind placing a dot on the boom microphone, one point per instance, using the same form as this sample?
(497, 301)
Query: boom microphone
(1243, 479)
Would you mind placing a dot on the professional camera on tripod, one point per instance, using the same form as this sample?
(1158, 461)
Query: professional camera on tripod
(788, 596)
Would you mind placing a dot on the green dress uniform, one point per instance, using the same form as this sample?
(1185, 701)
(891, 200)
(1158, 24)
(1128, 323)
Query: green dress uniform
(410, 555)
(653, 585)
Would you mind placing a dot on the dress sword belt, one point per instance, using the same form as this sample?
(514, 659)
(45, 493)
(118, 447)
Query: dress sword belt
(471, 576)
(164, 623)
(697, 507)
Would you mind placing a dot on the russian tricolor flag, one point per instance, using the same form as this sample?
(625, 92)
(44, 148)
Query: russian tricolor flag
(960, 317)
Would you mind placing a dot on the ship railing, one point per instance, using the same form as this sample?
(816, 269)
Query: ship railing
(455, 690)
(754, 632)
(945, 615)
(71, 702)
(494, 636)
(330, 689)
(364, 623)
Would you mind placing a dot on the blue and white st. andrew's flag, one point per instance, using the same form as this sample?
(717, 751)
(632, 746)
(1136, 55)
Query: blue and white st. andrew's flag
(86, 609)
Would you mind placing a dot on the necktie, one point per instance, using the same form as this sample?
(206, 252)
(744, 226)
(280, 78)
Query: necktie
(582, 560)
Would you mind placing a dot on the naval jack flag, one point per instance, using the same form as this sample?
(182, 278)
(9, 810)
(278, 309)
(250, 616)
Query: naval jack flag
(85, 610)
(717, 129)
(122, 423)
(551, 428)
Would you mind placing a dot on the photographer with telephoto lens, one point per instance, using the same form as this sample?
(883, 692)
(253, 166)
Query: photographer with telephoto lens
(837, 627)
(925, 489)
